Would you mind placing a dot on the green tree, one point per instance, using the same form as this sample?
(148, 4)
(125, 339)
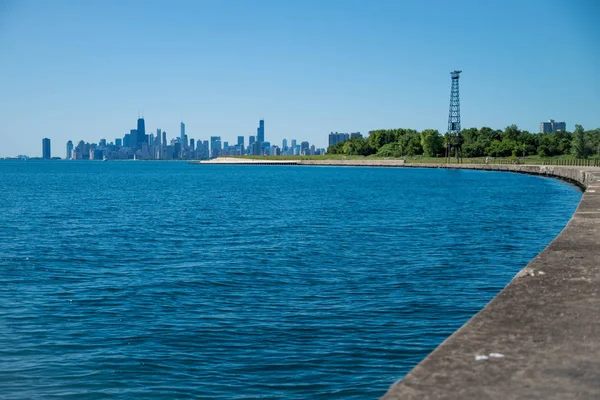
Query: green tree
(579, 149)
(511, 132)
(432, 142)
(390, 150)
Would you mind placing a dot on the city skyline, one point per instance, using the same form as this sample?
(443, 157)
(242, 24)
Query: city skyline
(142, 144)
(309, 69)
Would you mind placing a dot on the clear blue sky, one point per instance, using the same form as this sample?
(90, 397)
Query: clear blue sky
(82, 69)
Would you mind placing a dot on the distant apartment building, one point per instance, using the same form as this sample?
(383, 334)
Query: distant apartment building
(46, 149)
(305, 148)
(335, 137)
(69, 155)
(215, 146)
(552, 126)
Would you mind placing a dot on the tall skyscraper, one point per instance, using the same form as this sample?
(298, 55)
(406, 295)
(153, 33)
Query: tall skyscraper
(304, 148)
(240, 141)
(284, 144)
(46, 149)
(141, 133)
(182, 136)
(260, 132)
(158, 137)
(215, 146)
(131, 140)
(69, 150)
(164, 138)
(192, 145)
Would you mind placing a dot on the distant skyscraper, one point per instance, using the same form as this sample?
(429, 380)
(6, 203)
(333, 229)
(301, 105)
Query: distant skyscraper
(204, 150)
(69, 150)
(164, 138)
(284, 144)
(256, 149)
(304, 148)
(552, 126)
(240, 141)
(215, 146)
(46, 149)
(119, 142)
(260, 132)
(131, 139)
(192, 145)
(251, 139)
(158, 137)
(141, 133)
(182, 134)
(341, 137)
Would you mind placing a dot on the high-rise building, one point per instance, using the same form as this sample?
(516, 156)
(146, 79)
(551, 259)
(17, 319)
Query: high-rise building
(256, 149)
(46, 149)
(182, 136)
(205, 153)
(215, 146)
(141, 133)
(552, 126)
(164, 138)
(69, 150)
(240, 141)
(158, 137)
(130, 139)
(260, 132)
(284, 145)
(304, 148)
(192, 145)
(335, 138)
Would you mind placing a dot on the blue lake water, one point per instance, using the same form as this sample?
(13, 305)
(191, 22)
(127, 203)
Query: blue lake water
(166, 280)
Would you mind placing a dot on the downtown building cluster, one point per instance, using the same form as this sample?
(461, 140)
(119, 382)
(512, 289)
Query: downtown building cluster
(335, 137)
(140, 145)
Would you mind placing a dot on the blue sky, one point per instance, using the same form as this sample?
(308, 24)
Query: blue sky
(83, 69)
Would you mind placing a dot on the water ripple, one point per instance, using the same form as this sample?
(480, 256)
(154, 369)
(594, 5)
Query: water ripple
(166, 280)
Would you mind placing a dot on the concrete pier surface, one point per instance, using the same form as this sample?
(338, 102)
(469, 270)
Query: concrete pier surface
(539, 338)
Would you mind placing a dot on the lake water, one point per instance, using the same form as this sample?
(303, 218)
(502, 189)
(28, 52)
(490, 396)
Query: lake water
(166, 280)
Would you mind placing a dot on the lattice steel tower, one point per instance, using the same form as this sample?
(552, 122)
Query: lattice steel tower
(453, 137)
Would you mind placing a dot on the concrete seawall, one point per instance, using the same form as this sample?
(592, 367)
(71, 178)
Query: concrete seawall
(545, 324)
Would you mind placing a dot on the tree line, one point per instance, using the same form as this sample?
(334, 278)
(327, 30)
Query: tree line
(483, 142)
